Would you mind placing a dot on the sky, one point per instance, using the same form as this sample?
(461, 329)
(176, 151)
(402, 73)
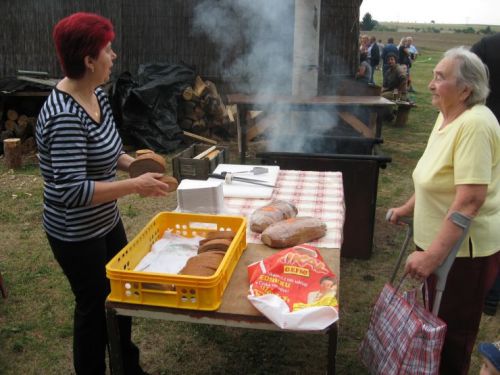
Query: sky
(484, 12)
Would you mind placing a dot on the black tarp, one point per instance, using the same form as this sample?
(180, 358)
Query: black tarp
(145, 107)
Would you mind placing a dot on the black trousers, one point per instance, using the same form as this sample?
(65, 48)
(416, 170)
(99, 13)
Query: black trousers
(468, 282)
(84, 264)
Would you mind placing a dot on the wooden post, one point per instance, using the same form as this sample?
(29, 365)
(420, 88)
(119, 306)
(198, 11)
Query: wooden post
(402, 115)
(3, 289)
(12, 152)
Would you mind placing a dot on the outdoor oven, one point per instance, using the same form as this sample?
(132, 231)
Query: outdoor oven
(359, 161)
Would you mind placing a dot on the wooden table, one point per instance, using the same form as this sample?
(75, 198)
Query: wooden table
(346, 108)
(235, 310)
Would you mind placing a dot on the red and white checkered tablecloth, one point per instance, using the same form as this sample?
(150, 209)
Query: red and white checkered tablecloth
(317, 194)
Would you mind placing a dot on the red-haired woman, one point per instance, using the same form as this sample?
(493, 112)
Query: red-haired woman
(79, 153)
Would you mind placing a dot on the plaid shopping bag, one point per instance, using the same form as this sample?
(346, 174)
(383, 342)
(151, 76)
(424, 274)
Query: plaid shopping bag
(403, 337)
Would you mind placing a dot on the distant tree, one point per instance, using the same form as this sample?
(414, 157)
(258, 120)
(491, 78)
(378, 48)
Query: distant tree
(433, 21)
(487, 30)
(368, 23)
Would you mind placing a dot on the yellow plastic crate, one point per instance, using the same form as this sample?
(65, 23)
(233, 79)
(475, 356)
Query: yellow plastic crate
(172, 290)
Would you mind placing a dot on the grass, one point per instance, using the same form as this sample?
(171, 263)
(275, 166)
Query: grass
(36, 319)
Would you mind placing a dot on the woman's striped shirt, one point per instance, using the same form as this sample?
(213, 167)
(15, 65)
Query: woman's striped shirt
(74, 152)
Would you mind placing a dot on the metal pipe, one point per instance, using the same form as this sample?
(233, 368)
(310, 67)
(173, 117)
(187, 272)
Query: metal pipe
(290, 155)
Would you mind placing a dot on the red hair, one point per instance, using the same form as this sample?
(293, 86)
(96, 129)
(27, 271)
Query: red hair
(79, 35)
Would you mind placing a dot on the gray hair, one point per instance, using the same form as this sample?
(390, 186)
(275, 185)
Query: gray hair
(472, 73)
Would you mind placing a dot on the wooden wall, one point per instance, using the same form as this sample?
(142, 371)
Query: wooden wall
(157, 31)
(26, 31)
(339, 38)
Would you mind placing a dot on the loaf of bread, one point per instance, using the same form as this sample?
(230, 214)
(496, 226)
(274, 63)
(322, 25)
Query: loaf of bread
(204, 264)
(274, 212)
(171, 182)
(152, 162)
(220, 244)
(294, 231)
(149, 162)
(218, 235)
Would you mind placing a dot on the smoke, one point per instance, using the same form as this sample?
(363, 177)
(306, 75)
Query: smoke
(255, 41)
(261, 28)
(298, 138)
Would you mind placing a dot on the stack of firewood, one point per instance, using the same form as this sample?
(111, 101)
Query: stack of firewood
(202, 110)
(19, 126)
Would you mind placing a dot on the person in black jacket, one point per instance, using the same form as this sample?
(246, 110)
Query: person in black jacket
(488, 50)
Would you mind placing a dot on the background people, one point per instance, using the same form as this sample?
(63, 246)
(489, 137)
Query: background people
(394, 79)
(413, 56)
(374, 56)
(459, 171)
(390, 47)
(364, 73)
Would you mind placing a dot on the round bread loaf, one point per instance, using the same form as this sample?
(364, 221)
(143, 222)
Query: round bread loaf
(229, 235)
(149, 162)
(196, 270)
(210, 259)
(214, 245)
(143, 152)
(203, 264)
(171, 182)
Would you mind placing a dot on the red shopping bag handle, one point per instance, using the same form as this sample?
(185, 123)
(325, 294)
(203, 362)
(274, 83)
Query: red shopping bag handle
(409, 234)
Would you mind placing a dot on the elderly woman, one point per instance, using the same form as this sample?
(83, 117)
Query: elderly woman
(79, 152)
(458, 172)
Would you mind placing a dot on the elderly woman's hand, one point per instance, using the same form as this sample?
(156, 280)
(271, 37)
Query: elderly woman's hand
(397, 213)
(149, 185)
(406, 210)
(420, 264)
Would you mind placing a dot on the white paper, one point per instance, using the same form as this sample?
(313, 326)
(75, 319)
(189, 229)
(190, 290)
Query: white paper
(169, 254)
(238, 189)
(307, 319)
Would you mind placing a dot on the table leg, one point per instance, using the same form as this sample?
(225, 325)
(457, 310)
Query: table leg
(242, 122)
(332, 348)
(3, 289)
(378, 123)
(114, 350)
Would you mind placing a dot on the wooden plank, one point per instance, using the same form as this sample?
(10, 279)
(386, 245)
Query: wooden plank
(199, 138)
(312, 102)
(356, 123)
(201, 155)
(261, 125)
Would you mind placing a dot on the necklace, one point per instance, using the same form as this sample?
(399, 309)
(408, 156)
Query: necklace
(91, 106)
(84, 96)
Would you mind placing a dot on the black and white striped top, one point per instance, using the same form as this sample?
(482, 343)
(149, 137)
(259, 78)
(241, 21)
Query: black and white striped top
(74, 151)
